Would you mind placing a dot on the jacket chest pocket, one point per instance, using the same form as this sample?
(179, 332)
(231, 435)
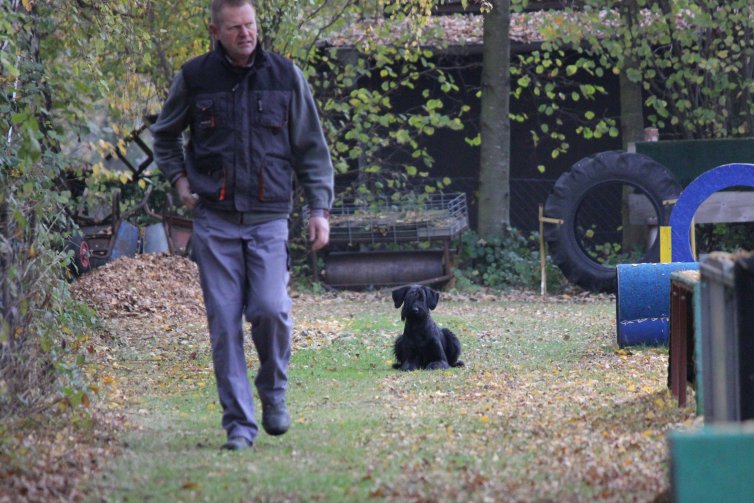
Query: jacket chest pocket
(270, 108)
(209, 113)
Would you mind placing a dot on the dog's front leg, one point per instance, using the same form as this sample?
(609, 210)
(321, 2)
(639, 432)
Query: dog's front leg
(438, 365)
(409, 365)
(435, 354)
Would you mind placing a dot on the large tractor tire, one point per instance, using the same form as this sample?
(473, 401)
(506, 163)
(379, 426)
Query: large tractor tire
(607, 174)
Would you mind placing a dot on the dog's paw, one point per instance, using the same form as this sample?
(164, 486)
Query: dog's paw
(437, 365)
(459, 363)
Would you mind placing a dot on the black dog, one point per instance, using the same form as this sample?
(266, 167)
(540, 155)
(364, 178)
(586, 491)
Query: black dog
(423, 344)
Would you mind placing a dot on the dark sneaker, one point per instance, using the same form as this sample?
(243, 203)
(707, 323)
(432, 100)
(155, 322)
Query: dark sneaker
(237, 443)
(275, 418)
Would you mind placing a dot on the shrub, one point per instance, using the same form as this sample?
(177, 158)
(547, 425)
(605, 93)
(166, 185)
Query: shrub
(41, 326)
(503, 261)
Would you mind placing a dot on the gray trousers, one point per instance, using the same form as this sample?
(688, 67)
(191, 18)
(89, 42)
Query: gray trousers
(243, 270)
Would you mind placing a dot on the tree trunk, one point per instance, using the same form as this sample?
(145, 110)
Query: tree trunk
(494, 173)
(631, 111)
(632, 130)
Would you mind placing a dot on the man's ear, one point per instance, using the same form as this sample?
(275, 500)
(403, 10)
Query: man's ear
(399, 294)
(432, 297)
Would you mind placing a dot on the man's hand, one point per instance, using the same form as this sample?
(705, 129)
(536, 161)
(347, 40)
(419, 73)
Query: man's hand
(184, 193)
(319, 232)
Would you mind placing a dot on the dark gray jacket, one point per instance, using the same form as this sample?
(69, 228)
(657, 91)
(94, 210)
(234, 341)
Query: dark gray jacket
(251, 129)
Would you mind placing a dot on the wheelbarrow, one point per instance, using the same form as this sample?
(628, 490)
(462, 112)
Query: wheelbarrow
(102, 238)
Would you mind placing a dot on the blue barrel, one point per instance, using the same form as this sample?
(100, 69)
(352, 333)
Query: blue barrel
(643, 302)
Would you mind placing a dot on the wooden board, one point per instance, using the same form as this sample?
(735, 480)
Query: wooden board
(720, 207)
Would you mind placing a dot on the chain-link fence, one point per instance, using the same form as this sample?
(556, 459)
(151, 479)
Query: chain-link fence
(526, 196)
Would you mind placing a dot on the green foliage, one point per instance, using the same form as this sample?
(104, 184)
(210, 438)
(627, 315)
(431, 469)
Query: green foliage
(372, 141)
(503, 261)
(40, 358)
(558, 84)
(691, 58)
(724, 237)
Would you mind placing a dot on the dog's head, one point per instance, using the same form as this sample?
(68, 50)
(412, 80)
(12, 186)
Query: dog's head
(417, 301)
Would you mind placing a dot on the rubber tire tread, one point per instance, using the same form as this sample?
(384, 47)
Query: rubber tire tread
(570, 189)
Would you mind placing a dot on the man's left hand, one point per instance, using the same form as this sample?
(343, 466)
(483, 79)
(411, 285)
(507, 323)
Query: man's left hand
(319, 232)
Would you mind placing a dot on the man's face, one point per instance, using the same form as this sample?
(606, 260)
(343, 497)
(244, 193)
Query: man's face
(236, 30)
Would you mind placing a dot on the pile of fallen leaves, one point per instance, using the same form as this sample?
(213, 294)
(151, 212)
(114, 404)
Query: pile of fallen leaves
(46, 459)
(167, 286)
(143, 286)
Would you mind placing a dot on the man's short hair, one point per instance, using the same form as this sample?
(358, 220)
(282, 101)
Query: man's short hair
(218, 5)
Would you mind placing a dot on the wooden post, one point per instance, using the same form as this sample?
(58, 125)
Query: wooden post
(542, 248)
(542, 261)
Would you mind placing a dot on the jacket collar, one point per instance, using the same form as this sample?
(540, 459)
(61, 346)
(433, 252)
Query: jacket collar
(258, 57)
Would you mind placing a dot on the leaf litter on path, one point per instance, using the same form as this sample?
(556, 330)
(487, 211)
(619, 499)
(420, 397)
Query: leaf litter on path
(588, 427)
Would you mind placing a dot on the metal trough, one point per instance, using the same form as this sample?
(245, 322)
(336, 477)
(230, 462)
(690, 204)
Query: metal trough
(386, 268)
(360, 235)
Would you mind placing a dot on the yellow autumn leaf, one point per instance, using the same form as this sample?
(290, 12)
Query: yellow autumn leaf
(27, 5)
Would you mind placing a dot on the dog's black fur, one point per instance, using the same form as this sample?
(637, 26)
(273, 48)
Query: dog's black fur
(423, 345)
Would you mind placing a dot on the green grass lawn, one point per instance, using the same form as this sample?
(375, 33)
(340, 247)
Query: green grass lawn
(546, 409)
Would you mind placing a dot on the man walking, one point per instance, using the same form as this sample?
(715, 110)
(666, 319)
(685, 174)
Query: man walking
(253, 127)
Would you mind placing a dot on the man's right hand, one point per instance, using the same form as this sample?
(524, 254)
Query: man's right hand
(184, 193)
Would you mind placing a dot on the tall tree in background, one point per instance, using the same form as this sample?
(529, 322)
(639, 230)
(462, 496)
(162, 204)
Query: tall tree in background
(691, 59)
(494, 174)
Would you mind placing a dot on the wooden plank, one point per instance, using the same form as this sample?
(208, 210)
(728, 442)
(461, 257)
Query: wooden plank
(720, 207)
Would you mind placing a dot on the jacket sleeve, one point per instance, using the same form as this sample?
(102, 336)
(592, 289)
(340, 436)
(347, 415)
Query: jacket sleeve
(311, 157)
(168, 131)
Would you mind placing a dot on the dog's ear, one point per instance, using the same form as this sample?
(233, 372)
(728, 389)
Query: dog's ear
(432, 297)
(399, 294)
